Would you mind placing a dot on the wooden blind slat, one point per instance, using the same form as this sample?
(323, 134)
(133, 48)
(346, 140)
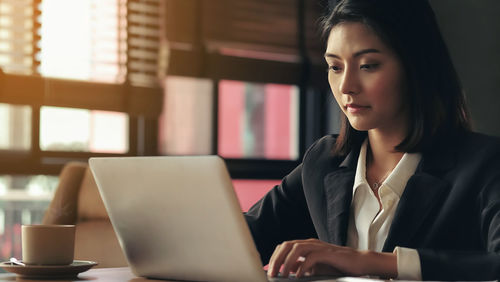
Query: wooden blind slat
(144, 22)
(18, 40)
(263, 24)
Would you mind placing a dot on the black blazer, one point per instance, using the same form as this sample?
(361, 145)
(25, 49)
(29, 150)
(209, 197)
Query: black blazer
(449, 211)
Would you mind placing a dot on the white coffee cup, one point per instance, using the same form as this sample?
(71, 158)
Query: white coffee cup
(48, 244)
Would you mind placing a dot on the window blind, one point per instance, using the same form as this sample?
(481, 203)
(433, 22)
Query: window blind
(108, 31)
(121, 39)
(259, 25)
(145, 29)
(19, 26)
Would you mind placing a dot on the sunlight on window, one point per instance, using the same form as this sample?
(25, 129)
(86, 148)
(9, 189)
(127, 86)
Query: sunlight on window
(109, 132)
(3, 186)
(15, 127)
(2, 222)
(83, 39)
(185, 125)
(66, 39)
(65, 129)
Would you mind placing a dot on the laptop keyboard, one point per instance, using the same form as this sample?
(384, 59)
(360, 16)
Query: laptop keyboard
(293, 278)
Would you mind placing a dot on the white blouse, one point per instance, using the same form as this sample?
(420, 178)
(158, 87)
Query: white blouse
(369, 224)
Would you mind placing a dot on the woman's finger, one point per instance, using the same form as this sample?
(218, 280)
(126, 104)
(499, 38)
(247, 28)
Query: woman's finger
(315, 259)
(297, 254)
(290, 255)
(270, 269)
(278, 258)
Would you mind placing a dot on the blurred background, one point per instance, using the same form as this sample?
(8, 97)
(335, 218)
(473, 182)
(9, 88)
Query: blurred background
(244, 79)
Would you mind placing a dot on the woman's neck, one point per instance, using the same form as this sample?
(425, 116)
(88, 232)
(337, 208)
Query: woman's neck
(381, 155)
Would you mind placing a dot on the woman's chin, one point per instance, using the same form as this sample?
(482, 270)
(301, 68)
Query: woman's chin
(360, 126)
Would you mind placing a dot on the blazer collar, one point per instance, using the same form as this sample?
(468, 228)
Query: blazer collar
(422, 195)
(351, 160)
(338, 192)
(418, 201)
(441, 158)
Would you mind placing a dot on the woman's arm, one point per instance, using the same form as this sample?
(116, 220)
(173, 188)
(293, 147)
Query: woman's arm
(315, 257)
(472, 265)
(281, 215)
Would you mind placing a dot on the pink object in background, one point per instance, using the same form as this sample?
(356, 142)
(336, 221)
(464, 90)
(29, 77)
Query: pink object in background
(277, 122)
(250, 191)
(257, 120)
(231, 111)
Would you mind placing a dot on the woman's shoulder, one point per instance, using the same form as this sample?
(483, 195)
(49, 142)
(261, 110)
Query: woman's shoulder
(475, 142)
(321, 151)
(322, 146)
(472, 149)
(463, 142)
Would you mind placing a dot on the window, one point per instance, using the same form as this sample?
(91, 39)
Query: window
(15, 127)
(265, 63)
(258, 120)
(94, 34)
(257, 67)
(23, 200)
(65, 129)
(185, 126)
(78, 79)
(146, 77)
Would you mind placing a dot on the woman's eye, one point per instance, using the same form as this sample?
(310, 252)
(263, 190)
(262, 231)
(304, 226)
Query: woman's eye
(369, 67)
(333, 68)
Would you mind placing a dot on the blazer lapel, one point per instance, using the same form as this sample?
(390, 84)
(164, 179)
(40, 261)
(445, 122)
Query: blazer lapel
(338, 191)
(422, 194)
(420, 197)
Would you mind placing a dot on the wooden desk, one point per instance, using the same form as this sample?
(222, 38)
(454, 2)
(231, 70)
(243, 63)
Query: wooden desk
(120, 274)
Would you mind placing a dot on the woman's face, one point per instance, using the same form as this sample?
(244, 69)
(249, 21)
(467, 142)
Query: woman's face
(366, 78)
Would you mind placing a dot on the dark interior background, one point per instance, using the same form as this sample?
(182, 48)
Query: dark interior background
(472, 31)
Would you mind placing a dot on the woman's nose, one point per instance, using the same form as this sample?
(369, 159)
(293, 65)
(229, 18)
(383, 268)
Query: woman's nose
(349, 83)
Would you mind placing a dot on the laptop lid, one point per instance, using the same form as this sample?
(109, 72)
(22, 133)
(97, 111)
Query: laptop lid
(178, 218)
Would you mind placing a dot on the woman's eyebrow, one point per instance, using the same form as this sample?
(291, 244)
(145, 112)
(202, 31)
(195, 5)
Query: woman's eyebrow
(357, 54)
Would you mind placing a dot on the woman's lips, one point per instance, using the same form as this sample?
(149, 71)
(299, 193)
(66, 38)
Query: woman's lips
(355, 108)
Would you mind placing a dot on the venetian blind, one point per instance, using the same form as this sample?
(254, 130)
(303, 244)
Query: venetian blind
(260, 25)
(19, 38)
(145, 29)
(109, 41)
(108, 31)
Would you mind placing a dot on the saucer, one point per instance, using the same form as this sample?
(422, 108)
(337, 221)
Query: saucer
(45, 271)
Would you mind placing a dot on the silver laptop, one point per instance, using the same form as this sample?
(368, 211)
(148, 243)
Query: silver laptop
(178, 218)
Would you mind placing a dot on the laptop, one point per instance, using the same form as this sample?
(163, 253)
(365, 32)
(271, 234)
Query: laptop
(178, 218)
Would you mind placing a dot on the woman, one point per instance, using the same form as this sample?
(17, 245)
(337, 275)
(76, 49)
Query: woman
(406, 190)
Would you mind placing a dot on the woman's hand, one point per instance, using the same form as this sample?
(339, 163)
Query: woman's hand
(319, 258)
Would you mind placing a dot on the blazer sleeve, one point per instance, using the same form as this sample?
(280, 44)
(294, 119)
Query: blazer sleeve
(465, 265)
(478, 264)
(281, 215)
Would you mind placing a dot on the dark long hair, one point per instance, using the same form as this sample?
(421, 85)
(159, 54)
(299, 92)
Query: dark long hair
(409, 27)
